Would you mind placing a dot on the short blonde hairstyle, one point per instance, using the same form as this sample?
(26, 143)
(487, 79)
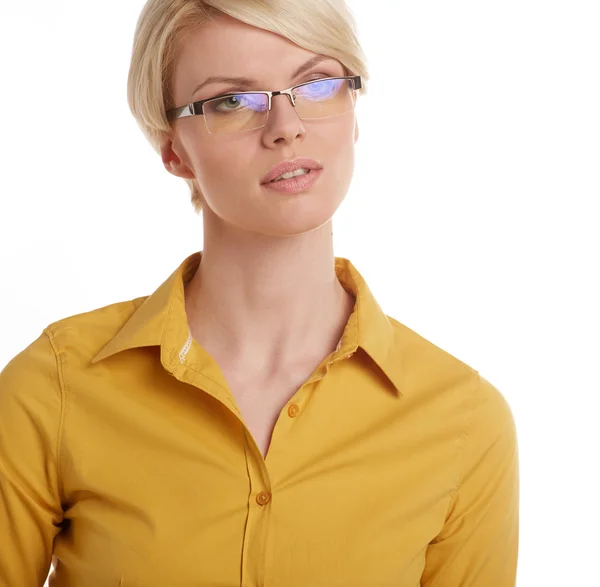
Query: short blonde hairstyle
(324, 27)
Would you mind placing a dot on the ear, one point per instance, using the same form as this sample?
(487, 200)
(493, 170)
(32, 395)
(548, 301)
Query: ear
(356, 133)
(173, 161)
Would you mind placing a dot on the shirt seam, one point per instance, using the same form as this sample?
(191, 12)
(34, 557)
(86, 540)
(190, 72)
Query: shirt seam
(61, 423)
(463, 439)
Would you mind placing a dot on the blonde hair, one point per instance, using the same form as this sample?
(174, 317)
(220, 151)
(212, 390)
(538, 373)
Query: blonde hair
(324, 27)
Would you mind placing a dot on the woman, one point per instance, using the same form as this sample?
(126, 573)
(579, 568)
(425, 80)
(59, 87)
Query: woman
(257, 420)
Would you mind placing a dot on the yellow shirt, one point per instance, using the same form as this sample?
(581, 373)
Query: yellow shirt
(125, 461)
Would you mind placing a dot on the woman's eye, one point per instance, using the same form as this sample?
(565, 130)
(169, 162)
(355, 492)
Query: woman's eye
(231, 102)
(239, 103)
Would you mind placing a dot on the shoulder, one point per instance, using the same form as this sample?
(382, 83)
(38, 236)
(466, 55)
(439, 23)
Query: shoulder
(427, 367)
(77, 336)
(86, 333)
(429, 371)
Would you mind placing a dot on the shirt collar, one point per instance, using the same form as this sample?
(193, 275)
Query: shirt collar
(161, 320)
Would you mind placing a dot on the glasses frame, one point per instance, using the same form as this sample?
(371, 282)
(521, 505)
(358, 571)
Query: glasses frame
(197, 108)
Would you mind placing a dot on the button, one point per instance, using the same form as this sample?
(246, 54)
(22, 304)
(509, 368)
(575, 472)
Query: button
(293, 410)
(263, 498)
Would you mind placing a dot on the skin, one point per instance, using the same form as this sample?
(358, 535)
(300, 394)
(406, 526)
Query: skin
(265, 299)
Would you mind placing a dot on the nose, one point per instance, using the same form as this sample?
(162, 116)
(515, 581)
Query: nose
(278, 94)
(281, 114)
(283, 123)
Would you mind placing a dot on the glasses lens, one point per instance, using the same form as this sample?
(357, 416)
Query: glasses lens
(236, 113)
(324, 98)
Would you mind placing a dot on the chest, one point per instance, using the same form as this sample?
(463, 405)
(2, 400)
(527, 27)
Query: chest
(261, 403)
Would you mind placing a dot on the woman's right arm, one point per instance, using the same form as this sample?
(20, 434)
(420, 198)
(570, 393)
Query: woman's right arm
(31, 407)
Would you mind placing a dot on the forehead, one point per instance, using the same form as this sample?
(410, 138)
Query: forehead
(226, 46)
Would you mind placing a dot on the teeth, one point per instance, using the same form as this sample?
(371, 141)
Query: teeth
(296, 173)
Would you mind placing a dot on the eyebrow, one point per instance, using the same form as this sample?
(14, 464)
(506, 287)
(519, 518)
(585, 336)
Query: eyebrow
(248, 82)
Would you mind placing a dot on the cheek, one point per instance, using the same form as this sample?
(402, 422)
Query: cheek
(336, 139)
(339, 152)
(209, 167)
(202, 158)
(344, 169)
(225, 168)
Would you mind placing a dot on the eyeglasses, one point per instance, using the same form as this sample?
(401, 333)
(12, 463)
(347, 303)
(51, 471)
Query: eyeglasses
(244, 111)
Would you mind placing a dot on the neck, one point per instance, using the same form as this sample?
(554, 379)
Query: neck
(262, 307)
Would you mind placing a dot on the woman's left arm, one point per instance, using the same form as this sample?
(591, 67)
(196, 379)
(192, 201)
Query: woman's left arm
(478, 545)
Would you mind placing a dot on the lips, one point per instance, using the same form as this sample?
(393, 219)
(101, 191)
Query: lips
(289, 167)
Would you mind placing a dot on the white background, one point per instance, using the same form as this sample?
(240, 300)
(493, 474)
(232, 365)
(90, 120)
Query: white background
(473, 214)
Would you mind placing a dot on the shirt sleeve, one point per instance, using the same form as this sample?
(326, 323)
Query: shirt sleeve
(30, 505)
(478, 545)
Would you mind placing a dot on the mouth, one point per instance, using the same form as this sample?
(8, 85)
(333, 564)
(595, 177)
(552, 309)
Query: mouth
(288, 176)
(296, 184)
(287, 170)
